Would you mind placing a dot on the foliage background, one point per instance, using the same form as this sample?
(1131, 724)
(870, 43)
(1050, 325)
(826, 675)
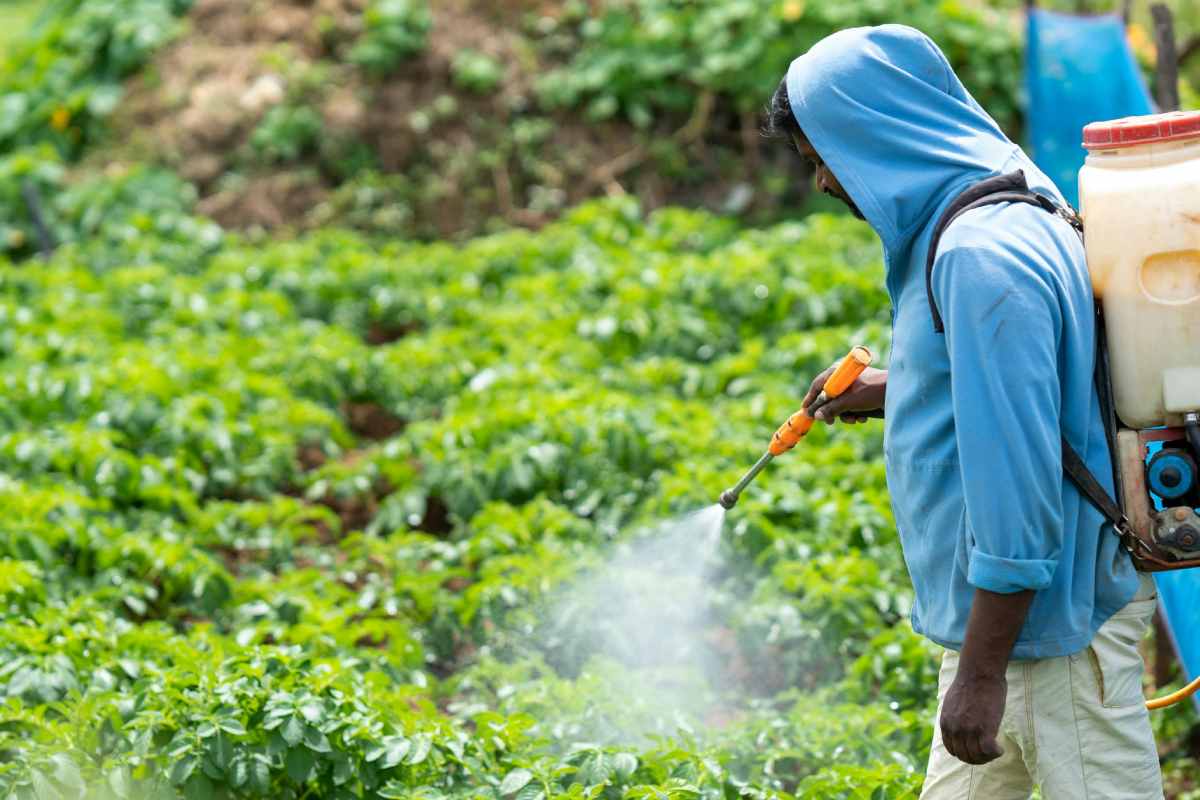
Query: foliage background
(373, 328)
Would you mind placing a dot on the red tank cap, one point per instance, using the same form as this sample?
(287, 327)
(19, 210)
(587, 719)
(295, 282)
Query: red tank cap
(1132, 131)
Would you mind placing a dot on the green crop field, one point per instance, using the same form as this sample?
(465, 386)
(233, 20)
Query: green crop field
(342, 514)
(249, 551)
(301, 519)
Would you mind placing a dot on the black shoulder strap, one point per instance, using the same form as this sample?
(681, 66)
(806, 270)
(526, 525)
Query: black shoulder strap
(1013, 188)
(1086, 482)
(1010, 188)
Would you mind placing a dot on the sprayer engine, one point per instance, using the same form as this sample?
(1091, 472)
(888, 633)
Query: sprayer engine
(1171, 474)
(1172, 477)
(1159, 477)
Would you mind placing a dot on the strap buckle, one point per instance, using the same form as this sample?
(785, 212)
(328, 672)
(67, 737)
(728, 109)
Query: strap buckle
(1071, 217)
(1123, 528)
(1135, 545)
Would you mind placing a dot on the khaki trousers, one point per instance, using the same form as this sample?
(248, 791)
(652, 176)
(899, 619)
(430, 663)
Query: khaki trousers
(1076, 726)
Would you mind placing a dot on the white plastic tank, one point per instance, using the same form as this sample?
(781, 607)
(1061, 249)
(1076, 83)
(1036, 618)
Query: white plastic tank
(1140, 199)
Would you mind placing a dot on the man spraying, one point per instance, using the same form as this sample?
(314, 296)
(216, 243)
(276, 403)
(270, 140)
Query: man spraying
(1014, 574)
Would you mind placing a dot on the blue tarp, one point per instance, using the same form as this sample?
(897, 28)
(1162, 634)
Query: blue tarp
(1178, 599)
(1077, 70)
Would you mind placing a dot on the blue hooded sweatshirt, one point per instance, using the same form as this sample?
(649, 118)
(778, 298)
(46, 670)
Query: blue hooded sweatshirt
(974, 416)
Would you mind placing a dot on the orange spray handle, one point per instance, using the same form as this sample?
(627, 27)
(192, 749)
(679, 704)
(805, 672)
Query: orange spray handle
(800, 423)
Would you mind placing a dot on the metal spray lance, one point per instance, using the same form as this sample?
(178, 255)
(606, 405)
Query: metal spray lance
(800, 423)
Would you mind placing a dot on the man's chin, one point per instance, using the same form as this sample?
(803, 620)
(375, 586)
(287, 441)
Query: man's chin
(853, 208)
(846, 201)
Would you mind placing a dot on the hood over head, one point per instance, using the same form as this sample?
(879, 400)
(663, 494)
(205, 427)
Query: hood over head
(889, 117)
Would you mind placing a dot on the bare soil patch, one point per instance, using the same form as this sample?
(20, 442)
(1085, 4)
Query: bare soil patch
(452, 150)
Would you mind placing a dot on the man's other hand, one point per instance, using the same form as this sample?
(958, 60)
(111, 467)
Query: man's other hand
(971, 714)
(865, 394)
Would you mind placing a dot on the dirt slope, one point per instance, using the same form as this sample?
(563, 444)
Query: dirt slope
(414, 152)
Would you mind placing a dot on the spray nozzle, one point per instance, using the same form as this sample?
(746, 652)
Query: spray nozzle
(799, 424)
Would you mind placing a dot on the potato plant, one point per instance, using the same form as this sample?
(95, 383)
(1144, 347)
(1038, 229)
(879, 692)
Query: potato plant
(309, 518)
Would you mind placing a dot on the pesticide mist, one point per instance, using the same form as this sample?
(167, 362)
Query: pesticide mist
(641, 622)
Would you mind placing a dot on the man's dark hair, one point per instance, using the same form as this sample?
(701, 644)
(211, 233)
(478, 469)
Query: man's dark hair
(781, 122)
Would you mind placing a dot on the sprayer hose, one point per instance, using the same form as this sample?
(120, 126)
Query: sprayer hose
(1174, 697)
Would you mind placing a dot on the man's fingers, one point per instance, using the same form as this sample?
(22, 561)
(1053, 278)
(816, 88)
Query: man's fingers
(977, 748)
(990, 749)
(955, 745)
(815, 389)
(972, 748)
(950, 740)
(958, 743)
(829, 412)
(970, 728)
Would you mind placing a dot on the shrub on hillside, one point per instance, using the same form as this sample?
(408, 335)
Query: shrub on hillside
(394, 30)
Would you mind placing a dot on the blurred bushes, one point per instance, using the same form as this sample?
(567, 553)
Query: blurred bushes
(59, 81)
(641, 58)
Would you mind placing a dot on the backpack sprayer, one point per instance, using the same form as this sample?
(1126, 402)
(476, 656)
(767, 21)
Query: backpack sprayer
(1140, 195)
(799, 424)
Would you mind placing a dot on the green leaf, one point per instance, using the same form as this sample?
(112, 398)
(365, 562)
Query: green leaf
(240, 774)
(395, 790)
(199, 787)
(394, 753)
(343, 771)
(66, 774)
(119, 782)
(422, 744)
(311, 711)
(531, 791)
(260, 774)
(231, 725)
(299, 764)
(43, 787)
(182, 769)
(221, 751)
(625, 764)
(515, 780)
(316, 741)
(293, 731)
(596, 769)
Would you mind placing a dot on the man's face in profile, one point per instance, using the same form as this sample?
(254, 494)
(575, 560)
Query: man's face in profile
(827, 182)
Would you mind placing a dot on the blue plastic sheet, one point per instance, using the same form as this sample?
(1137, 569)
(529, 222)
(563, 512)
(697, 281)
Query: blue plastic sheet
(1077, 70)
(1178, 599)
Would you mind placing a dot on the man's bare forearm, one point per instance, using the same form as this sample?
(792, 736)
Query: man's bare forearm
(974, 705)
(992, 629)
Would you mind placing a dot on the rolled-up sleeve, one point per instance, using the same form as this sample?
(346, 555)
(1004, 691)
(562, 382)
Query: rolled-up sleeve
(1003, 324)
